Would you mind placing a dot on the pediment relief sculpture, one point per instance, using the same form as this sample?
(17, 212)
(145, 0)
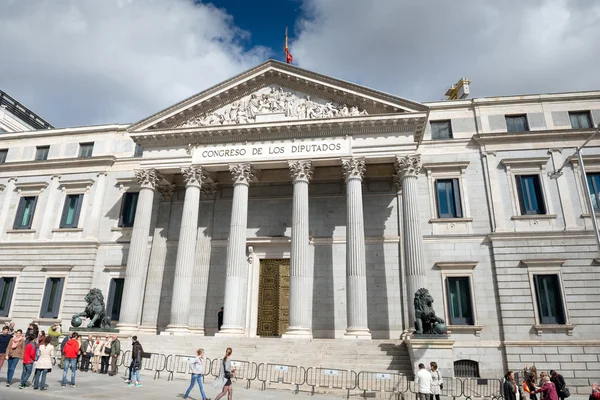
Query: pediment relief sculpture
(274, 101)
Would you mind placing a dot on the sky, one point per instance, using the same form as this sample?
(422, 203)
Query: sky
(88, 62)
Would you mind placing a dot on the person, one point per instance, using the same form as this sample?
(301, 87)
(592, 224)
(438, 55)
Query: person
(70, 351)
(228, 373)
(511, 389)
(98, 349)
(136, 363)
(595, 392)
(220, 319)
(423, 383)
(29, 356)
(43, 364)
(531, 378)
(11, 329)
(547, 388)
(105, 357)
(197, 368)
(436, 381)
(34, 330)
(55, 332)
(41, 337)
(4, 341)
(62, 349)
(115, 350)
(87, 352)
(14, 353)
(559, 384)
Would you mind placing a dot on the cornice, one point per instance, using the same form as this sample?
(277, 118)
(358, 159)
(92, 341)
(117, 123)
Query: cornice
(82, 130)
(53, 165)
(524, 162)
(552, 136)
(543, 263)
(507, 100)
(279, 130)
(437, 166)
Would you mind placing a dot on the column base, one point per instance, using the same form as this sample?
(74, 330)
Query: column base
(295, 332)
(231, 332)
(357, 333)
(148, 329)
(177, 330)
(128, 329)
(197, 331)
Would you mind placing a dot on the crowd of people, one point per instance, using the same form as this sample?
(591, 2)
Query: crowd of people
(39, 352)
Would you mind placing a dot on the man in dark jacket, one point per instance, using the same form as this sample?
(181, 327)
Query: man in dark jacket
(4, 340)
(136, 362)
(115, 350)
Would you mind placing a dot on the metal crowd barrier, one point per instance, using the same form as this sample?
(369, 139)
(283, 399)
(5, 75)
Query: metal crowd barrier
(382, 382)
(126, 361)
(244, 370)
(452, 387)
(476, 388)
(281, 374)
(154, 362)
(331, 378)
(178, 364)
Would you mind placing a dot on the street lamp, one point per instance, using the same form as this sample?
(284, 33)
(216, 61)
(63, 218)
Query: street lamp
(558, 173)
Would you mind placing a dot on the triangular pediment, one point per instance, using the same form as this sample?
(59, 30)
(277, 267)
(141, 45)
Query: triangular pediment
(273, 92)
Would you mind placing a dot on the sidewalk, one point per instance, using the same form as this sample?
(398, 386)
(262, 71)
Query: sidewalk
(95, 386)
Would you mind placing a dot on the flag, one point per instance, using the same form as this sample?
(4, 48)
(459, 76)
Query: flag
(288, 55)
(526, 387)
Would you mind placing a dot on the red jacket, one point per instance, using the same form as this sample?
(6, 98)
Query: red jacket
(71, 349)
(549, 390)
(29, 354)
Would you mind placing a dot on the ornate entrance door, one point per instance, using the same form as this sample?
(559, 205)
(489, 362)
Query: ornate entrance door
(274, 297)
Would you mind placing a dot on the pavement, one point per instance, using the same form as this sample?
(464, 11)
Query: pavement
(95, 386)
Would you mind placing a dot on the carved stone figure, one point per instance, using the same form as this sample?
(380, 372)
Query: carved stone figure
(276, 100)
(95, 310)
(426, 322)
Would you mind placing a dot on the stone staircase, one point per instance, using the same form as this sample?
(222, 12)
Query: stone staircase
(389, 356)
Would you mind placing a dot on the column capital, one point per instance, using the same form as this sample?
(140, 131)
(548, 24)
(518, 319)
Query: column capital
(193, 176)
(147, 178)
(408, 166)
(242, 173)
(166, 192)
(301, 170)
(210, 189)
(353, 168)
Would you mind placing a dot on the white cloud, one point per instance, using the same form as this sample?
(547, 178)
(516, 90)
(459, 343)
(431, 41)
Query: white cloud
(415, 49)
(115, 61)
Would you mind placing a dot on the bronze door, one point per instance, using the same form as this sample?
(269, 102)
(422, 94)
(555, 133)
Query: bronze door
(273, 297)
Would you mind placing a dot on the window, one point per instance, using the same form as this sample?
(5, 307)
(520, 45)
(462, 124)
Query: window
(3, 154)
(41, 153)
(459, 300)
(466, 369)
(128, 207)
(441, 130)
(580, 120)
(71, 210)
(25, 212)
(52, 297)
(115, 294)
(139, 150)
(448, 198)
(549, 299)
(594, 184)
(529, 191)
(516, 123)
(7, 286)
(86, 149)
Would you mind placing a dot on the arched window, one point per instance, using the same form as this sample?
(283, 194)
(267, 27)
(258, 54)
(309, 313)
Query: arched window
(466, 369)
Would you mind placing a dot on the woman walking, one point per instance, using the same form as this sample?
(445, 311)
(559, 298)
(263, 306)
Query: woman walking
(197, 368)
(44, 363)
(14, 352)
(228, 373)
(436, 381)
(29, 355)
(511, 389)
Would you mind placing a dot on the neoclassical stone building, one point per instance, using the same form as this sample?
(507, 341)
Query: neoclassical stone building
(310, 207)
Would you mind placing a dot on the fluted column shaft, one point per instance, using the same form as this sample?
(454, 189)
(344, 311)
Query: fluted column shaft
(91, 230)
(135, 273)
(356, 270)
(408, 169)
(156, 267)
(53, 193)
(234, 315)
(300, 266)
(186, 251)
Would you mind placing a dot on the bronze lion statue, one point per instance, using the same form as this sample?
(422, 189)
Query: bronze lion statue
(95, 310)
(426, 322)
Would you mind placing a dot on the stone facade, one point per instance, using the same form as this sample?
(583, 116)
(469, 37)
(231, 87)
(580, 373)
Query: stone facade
(371, 180)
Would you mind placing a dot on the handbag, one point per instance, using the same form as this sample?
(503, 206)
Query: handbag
(107, 351)
(565, 393)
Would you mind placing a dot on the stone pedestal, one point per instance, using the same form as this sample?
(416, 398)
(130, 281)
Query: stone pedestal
(427, 348)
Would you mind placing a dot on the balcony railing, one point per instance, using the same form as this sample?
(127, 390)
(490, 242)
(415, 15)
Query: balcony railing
(22, 112)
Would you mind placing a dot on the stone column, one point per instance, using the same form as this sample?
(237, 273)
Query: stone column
(356, 269)
(407, 168)
(137, 259)
(236, 280)
(92, 229)
(300, 265)
(8, 190)
(201, 273)
(158, 256)
(186, 251)
(54, 193)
